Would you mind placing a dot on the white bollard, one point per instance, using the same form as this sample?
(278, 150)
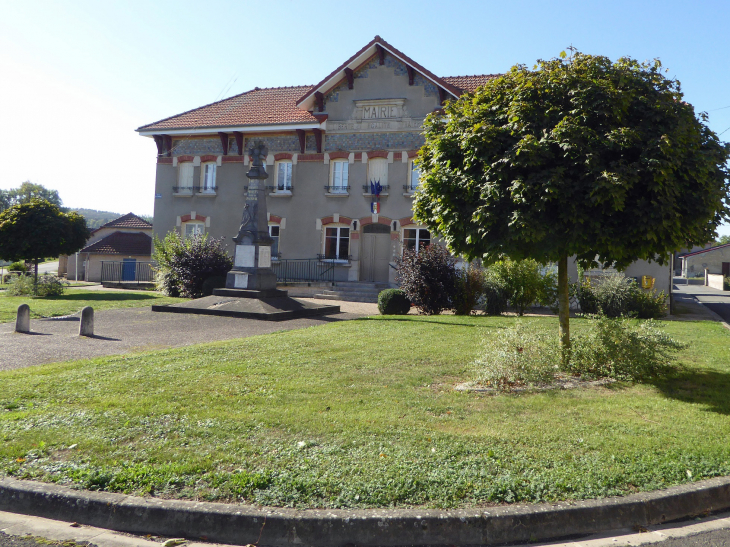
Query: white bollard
(22, 321)
(86, 326)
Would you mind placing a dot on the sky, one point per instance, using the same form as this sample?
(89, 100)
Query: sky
(78, 77)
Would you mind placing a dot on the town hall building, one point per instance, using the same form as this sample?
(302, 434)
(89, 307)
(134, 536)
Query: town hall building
(340, 162)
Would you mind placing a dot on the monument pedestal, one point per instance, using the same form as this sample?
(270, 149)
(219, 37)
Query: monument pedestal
(251, 285)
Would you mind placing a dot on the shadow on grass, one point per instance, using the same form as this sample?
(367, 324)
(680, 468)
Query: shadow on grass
(705, 387)
(101, 297)
(441, 320)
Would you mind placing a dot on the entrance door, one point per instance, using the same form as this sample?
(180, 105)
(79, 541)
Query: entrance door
(375, 253)
(726, 269)
(128, 267)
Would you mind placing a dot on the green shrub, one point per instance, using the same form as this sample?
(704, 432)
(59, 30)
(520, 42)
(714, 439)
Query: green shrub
(495, 295)
(615, 295)
(428, 278)
(585, 296)
(469, 288)
(21, 285)
(393, 302)
(518, 356)
(620, 349)
(522, 281)
(18, 267)
(726, 283)
(648, 304)
(184, 264)
(213, 282)
(48, 285)
(549, 289)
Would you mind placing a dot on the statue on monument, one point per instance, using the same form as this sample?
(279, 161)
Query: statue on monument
(248, 232)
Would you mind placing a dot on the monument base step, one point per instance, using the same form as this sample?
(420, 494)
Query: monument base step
(250, 293)
(281, 308)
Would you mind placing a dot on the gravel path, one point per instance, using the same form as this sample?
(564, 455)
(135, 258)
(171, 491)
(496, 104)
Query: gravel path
(130, 330)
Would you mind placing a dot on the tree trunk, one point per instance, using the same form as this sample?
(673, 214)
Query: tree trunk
(564, 308)
(35, 283)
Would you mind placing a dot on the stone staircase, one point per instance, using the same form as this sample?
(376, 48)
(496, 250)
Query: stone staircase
(353, 291)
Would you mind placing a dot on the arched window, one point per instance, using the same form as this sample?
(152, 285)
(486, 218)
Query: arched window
(283, 175)
(415, 238)
(207, 178)
(193, 228)
(378, 171)
(336, 242)
(414, 174)
(339, 176)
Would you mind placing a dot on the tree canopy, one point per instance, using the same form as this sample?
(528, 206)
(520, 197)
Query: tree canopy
(25, 193)
(39, 229)
(579, 157)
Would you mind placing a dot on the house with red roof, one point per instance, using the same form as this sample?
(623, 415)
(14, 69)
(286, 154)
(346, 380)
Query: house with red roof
(118, 248)
(716, 260)
(340, 162)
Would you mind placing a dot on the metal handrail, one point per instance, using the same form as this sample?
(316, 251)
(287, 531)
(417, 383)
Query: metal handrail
(114, 271)
(182, 189)
(409, 188)
(280, 188)
(205, 189)
(291, 270)
(337, 189)
(366, 188)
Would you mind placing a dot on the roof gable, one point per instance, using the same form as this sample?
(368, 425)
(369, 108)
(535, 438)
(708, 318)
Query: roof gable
(121, 243)
(130, 220)
(296, 107)
(377, 44)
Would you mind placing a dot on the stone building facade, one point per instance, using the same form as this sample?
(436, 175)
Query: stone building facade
(329, 144)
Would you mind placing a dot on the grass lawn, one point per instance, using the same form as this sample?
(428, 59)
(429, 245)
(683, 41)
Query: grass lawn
(362, 414)
(73, 300)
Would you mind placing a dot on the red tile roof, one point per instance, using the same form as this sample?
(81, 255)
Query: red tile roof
(274, 105)
(715, 248)
(469, 83)
(121, 243)
(278, 105)
(130, 220)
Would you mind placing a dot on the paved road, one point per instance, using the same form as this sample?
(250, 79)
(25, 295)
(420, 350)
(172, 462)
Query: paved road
(715, 300)
(130, 330)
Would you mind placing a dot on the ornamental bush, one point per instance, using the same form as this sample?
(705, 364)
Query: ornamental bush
(184, 264)
(428, 278)
(622, 350)
(615, 295)
(495, 295)
(469, 288)
(18, 267)
(393, 302)
(612, 348)
(48, 285)
(522, 280)
(518, 356)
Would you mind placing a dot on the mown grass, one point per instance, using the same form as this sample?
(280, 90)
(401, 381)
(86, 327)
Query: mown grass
(362, 414)
(73, 300)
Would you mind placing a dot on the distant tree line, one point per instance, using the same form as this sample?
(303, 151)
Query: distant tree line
(29, 191)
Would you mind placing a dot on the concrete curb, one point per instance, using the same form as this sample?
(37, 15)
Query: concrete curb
(242, 525)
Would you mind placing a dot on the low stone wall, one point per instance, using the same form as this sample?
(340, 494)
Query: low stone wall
(715, 281)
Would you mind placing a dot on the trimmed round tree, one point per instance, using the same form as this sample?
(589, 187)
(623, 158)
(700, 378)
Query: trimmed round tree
(580, 156)
(39, 229)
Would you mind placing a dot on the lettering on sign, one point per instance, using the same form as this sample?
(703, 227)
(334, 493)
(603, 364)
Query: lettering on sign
(387, 111)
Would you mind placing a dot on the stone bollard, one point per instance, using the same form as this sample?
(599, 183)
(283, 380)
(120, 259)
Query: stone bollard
(86, 327)
(22, 321)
